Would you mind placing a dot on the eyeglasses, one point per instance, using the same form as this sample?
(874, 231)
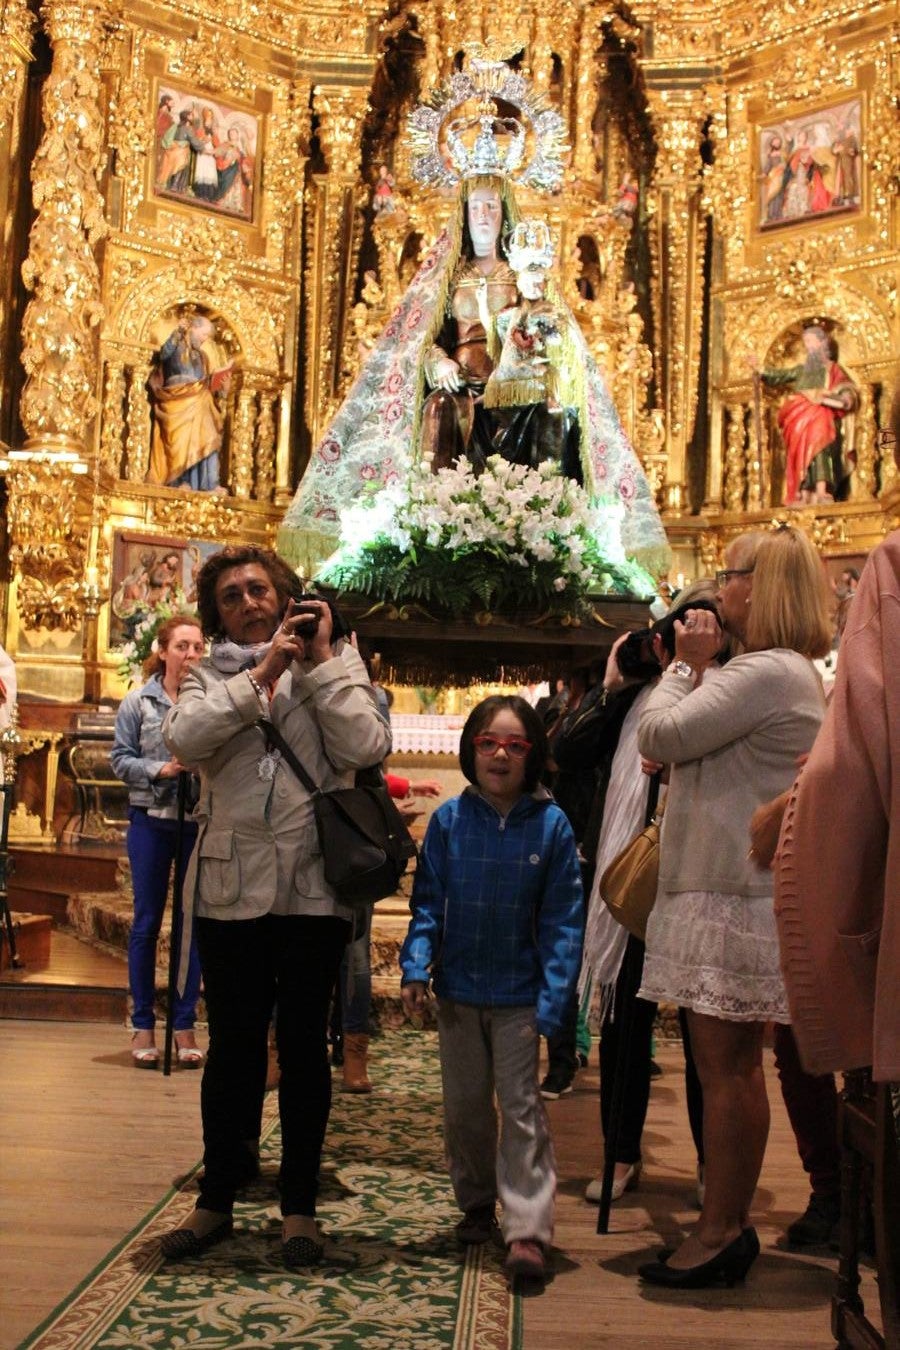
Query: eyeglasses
(515, 746)
(724, 576)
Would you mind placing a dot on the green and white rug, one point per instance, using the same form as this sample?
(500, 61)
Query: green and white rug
(393, 1275)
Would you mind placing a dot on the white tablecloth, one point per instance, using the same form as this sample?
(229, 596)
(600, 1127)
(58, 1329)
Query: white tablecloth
(426, 733)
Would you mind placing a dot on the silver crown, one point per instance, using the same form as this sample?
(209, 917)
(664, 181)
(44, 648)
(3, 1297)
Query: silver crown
(482, 142)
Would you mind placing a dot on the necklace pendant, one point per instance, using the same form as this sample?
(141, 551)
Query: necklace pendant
(268, 764)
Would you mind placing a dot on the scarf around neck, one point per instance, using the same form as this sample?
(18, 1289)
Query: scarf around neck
(231, 657)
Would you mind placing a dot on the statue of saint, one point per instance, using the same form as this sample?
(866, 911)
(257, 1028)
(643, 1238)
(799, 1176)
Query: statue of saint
(822, 394)
(188, 391)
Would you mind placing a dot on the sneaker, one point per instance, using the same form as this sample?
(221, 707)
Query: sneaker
(525, 1260)
(477, 1226)
(819, 1224)
(555, 1085)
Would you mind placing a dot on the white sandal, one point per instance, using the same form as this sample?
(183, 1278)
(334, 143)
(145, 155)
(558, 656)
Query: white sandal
(143, 1056)
(189, 1056)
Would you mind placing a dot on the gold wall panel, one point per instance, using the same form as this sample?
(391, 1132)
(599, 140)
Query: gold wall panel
(111, 261)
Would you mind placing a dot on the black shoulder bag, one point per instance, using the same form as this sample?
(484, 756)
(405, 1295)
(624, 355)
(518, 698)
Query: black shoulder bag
(363, 837)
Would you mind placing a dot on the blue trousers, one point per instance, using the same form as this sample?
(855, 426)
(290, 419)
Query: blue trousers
(151, 852)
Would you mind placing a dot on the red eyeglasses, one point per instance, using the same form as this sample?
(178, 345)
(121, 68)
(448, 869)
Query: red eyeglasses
(515, 746)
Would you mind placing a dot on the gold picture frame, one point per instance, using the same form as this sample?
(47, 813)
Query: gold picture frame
(206, 151)
(810, 164)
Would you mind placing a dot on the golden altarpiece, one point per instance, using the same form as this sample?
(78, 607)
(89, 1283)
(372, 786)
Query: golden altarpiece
(679, 268)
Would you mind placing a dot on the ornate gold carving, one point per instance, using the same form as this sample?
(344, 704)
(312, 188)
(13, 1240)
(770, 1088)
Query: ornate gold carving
(137, 439)
(46, 550)
(287, 151)
(862, 484)
(113, 423)
(205, 516)
(15, 56)
(59, 351)
(340, 113)
(242, 443)
(215, 57)
(735, 458)
(678, 118)
(265, 447)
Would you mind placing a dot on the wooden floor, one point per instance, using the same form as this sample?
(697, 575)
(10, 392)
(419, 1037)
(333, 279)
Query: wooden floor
(88, 1144)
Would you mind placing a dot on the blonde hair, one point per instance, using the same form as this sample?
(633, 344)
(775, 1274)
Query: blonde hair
(789, 604)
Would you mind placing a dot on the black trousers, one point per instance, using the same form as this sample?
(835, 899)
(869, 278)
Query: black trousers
(637, 1079)
(249, 966)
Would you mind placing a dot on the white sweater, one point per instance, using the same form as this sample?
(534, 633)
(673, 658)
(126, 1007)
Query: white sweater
(733, 743)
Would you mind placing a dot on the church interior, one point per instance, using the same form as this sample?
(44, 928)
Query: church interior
(238, 190)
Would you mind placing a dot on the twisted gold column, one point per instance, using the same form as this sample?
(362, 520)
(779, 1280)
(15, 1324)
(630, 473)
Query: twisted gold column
(59, 330)
(735, 458)
(335, 243)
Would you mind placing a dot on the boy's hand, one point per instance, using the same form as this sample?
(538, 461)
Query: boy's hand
(414, 997)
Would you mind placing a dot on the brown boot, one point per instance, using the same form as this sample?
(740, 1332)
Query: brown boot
(356, 1046)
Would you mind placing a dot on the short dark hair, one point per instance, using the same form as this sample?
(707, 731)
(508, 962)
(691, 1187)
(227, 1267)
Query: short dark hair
(285, 581)
(482, 716)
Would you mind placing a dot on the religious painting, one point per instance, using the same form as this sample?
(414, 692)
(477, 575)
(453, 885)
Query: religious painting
(150, 573)
(205, 152)
(810, 166)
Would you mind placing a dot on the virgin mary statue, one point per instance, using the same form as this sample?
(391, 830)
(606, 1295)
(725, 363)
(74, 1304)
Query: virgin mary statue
(420, 392)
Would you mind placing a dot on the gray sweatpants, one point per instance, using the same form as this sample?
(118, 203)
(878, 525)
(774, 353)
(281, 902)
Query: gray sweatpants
(486, 1051)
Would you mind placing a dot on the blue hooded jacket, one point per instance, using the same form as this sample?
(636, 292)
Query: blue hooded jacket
(497, 907)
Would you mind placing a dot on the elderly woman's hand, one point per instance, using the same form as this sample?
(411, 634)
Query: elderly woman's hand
(698, 639)
(288, 644)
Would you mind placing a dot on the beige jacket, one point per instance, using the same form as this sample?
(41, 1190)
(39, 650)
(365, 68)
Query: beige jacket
(257, 850)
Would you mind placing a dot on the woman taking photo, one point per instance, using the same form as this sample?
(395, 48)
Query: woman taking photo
(269, 928)
(140, 758)
(712, 945)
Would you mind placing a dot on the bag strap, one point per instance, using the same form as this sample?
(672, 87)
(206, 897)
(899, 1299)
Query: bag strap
(274, 737)
(652, 798)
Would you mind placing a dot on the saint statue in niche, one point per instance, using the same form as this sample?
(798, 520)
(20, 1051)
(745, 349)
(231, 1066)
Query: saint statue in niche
(188, 388)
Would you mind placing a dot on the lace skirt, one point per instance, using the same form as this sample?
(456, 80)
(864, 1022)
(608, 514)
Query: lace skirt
(717, 954)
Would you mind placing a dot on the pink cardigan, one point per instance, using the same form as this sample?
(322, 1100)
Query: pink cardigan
(837, 873)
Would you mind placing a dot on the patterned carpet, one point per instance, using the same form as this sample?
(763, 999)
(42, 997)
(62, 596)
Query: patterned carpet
(393, 1275)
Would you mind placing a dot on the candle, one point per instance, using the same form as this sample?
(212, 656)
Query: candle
(90, 576)
(679, 581)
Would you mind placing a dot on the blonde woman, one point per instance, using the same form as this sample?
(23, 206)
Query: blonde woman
(712, 945)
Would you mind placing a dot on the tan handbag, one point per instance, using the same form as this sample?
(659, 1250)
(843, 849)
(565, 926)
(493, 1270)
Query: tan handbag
(628, 884)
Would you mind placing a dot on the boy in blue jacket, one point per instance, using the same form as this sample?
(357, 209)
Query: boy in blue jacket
(496, 927)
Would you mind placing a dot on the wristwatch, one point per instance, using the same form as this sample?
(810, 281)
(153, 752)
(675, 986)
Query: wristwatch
(681, 668)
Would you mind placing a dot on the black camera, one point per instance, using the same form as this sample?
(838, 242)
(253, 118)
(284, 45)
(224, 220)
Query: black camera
(307, 628)
(635, 656)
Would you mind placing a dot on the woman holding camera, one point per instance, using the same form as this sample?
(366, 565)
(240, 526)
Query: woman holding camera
(269, 928)
(712, 945)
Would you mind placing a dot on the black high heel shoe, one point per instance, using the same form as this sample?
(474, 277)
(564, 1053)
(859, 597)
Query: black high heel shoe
(727, 1266)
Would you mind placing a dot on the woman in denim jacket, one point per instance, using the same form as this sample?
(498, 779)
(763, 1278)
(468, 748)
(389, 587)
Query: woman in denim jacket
(140, 758)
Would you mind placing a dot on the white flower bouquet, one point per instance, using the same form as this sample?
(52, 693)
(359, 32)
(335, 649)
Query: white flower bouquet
(509, 538)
